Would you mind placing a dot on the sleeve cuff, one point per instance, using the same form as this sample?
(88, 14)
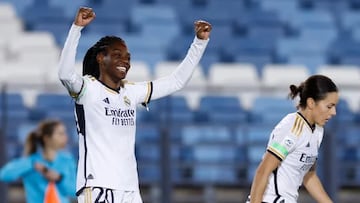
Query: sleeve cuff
(201, 41)
(76, 27)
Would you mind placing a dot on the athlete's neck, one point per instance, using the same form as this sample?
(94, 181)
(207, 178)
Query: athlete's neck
(111, 83)
(308, 118)
(307, 115)
(49, 154)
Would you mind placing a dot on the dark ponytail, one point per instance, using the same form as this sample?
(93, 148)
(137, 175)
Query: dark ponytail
(90, 64)
(36, 137)
(316, 87)
(31, 143)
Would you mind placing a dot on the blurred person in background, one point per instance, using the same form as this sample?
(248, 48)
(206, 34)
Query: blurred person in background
(292, 151)
(106, 109)
(48, 173)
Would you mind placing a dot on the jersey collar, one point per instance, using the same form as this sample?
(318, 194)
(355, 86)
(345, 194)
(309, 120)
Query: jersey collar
(111, 89)
(312, 127)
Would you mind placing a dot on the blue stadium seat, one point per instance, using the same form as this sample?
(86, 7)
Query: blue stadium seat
(149, 173)
(270, 110)
(324, 35)
(330, 5)
(223, 11)
(20, 5)
(214, 153)
(311, 60)
(54, 106)
(344, 49)
(70, 7)
(258, 134)
(52, 101)
(178, 52)
(148, 49)
(108, 10)
(349, 136)
(162, 32)
(218, 174)
(343, 112)
(255, 154)
(292, 50)
(117, 28)
(285, 8)
(221, 110)
(312, 19)
(14, 149)
(349, 19)
(15, 112)
(171, 110)
(196, 134)
(41, 12)
(23, 131)
(59, 28)
(13, 101)
(208, 59)
(257, 18)
(86, 41)
(259, 60)
(144, 14)
(148, 152)
(241, 136)
(221, 36)
(147, 134)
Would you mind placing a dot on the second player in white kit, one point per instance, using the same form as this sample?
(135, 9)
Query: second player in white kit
(292, 151)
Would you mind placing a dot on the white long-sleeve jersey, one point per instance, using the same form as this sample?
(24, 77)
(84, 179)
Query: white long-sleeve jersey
(106, 118)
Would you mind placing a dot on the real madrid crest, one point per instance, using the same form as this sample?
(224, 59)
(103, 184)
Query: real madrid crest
(127, 101)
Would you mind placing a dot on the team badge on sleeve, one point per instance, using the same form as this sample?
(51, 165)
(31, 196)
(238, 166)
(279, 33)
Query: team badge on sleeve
(282, 148)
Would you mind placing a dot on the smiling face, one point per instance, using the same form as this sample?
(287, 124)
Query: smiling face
(114, 64)
(323, 110)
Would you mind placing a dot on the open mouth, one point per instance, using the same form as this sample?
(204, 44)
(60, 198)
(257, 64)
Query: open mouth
(121, 68)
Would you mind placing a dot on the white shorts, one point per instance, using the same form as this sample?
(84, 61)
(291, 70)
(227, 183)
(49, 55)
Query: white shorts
(98, 194)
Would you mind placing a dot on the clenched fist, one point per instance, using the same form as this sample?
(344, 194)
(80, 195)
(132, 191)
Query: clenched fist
(202, 29)
(84, 16)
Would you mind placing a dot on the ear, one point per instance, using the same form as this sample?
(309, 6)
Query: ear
(100, 58)
(310, 103)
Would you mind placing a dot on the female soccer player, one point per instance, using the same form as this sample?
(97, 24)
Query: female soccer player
(290, 159)
(45, 165)
(106, 109)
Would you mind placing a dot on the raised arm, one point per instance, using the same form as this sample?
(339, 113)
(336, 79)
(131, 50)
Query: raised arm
(182, 74)
(72, 81)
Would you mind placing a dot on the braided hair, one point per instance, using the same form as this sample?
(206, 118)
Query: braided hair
(90, 64)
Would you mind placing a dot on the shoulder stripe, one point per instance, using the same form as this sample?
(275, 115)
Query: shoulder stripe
(298, 126)
(149, 92)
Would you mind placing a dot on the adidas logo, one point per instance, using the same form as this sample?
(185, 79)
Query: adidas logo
(106, 100)
(308, 144)
(90, 177)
